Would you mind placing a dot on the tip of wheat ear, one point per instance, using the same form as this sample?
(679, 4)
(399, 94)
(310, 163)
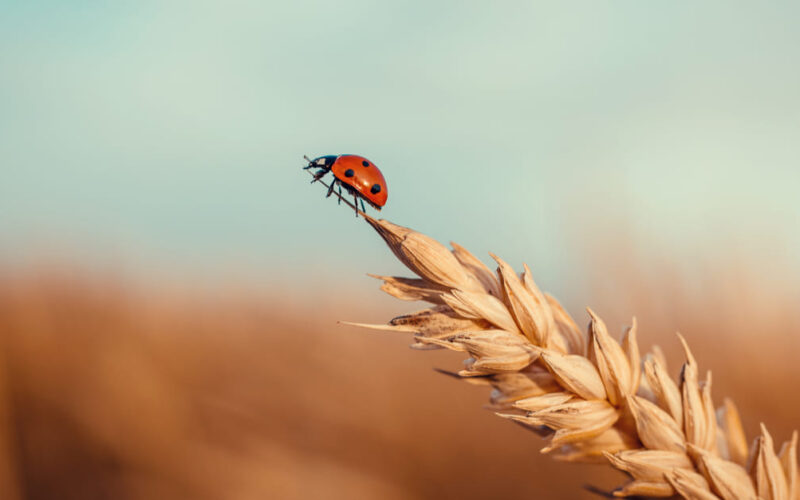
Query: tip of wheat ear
(595, 398)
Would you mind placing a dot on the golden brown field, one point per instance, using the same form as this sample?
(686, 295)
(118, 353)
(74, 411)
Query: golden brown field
(111, 389)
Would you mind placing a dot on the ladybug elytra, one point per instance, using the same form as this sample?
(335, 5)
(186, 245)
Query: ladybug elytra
(359, 177)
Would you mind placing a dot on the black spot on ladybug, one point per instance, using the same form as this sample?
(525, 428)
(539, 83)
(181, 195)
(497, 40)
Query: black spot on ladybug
(376, 188)
(349, 172)
(365, 163)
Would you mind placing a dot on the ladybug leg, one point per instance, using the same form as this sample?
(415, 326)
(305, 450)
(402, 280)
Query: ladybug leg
(319, 175)
(330, 189)
(339, 199)
(355, 203)
(363, 209)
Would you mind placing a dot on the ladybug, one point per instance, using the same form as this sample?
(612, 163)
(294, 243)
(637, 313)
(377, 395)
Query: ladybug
(359, 177)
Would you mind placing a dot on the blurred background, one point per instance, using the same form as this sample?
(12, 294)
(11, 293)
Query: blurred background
(170, 283)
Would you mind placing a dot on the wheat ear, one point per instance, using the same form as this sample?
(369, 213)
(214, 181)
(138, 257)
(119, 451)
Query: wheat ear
(594, 398)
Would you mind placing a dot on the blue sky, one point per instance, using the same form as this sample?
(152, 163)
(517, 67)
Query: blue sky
(170, 134)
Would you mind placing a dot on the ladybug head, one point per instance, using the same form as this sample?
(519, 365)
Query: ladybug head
(324, 161)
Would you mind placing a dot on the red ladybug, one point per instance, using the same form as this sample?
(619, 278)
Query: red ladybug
(359, 176)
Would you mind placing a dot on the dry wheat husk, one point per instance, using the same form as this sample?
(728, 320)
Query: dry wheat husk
(594, 397)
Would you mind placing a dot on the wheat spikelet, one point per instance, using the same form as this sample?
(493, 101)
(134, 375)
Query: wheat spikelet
(593, 397)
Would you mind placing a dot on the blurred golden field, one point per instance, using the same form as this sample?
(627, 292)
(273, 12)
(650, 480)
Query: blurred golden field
(112, 388)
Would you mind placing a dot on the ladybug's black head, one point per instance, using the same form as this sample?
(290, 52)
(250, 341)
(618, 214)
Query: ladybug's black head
(324, 161)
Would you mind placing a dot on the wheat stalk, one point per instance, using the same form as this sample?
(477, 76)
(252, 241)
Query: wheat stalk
(594, 398)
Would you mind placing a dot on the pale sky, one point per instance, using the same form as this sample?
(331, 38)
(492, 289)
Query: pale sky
(171, 134)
